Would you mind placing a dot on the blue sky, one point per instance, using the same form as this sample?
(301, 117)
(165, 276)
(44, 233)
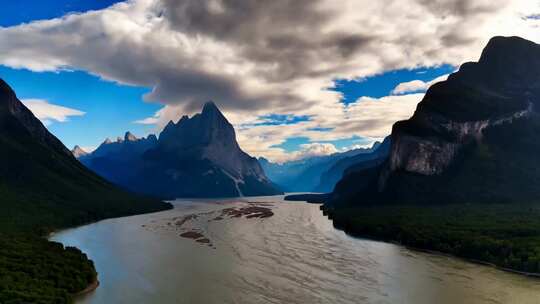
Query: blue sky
(176, 66)
(24, 11)
(111, 109)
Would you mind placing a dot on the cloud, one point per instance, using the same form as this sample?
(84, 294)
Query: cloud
(254, 57)
(315, 149)
(415, 86)
(47, 112)
(370, 118)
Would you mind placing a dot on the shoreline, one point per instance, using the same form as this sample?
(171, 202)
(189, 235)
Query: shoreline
(328, 214)
(90, 288)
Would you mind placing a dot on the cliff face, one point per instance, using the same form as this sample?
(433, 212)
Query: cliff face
(457, 132)
(433, 155)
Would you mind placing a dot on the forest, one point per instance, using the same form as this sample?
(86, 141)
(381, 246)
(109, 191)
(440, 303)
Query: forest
(505, 235)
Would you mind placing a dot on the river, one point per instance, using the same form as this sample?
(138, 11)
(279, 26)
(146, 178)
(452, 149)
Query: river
(294, 256)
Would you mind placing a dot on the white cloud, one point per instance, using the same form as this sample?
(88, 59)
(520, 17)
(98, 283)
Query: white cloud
(47, 112)
(315, 149)
(416, 85)
(259, 57)
(371, 118)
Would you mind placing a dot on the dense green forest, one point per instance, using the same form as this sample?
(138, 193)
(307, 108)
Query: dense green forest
(506, 235)
(34, 270)
(44, 188)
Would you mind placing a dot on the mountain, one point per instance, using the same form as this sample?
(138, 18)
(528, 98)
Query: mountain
(305, 175)
(331, 177)
(473, 138)
(115, 161)
(37, 172)
(43, 188)
(78, 152)
(195, 157)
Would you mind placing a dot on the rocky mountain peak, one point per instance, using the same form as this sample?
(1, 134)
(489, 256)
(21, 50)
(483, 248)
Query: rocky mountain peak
(209, 107)
(78, 152)
(130, 137)
(197, 156)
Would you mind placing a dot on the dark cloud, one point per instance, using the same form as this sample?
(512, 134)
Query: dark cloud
(284, 34)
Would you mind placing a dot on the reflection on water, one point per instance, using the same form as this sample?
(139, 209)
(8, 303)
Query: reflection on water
(294, 256)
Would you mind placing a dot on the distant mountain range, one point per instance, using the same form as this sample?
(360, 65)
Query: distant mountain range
(378, 154)
(195, 157)
(317, 173)
(473, 138)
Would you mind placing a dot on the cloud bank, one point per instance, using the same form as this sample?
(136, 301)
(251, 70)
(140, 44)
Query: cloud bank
(48, 113)
(255, 58)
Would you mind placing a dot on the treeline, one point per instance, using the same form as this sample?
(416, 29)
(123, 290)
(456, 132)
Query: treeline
(506, 235)
(33, 270)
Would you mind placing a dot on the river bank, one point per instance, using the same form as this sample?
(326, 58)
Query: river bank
(503, 236)
(294, 256)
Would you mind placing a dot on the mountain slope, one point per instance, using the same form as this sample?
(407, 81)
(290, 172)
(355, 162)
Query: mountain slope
(43, 187)
(195, 157)
(473, 138)
(462, 177)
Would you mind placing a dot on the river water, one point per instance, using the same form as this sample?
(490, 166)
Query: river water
(294, 256)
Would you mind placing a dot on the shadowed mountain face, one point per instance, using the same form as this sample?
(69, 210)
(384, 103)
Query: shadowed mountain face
(195, 157)
(42, 184)
(473, 138)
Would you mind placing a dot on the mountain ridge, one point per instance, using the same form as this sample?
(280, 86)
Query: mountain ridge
(194, 157)
(469, 125)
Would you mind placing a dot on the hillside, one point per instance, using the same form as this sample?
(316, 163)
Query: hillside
(43, 188)
(462, 176)
(473, 138)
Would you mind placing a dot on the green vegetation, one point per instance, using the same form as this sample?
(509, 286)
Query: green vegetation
(43, 188)
(506, 235)
(33, 270)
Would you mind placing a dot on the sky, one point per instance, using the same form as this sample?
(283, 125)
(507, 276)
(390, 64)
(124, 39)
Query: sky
(296, 77)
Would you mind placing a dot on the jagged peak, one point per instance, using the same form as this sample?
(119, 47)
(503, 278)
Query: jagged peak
(119, 139)
(4, 87)
(78, 148)
(210, 106)
(78, 151)
(130, 137)
(183, 118)
(107, 141)
(152, 137)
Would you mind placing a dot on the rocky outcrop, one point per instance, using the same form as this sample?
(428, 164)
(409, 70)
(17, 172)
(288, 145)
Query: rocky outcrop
(78, 152)
(469, 126)
(433, 155)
